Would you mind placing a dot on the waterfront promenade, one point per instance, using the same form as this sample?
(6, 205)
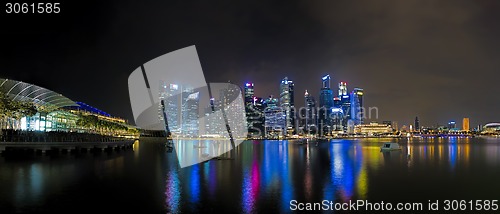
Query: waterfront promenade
(42, 142)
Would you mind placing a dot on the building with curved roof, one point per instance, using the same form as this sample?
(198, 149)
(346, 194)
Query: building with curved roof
(491, 128)
(55, 112)
(17, 90)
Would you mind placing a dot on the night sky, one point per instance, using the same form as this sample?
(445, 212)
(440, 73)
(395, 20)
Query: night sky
(438, 60)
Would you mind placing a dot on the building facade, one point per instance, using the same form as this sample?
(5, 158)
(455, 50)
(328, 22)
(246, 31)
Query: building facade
(310, 114)
(287, 103)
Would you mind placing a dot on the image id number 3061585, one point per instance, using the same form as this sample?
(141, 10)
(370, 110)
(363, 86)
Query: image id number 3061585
(33, 8)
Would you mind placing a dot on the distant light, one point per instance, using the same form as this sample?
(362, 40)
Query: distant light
(174, 86)
(345, 96)
(336, 110)
(326, 77)
(193, 96)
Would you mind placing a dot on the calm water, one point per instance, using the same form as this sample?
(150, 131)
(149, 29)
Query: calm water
(263, 177)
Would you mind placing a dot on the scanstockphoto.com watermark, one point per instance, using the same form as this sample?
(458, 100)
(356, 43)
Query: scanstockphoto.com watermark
(365, 205)
(354, 205)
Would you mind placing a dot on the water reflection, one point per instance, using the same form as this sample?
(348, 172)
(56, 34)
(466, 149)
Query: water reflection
(281, 171)
(262, 176)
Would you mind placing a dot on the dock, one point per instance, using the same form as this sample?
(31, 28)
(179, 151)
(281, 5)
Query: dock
(44, 147)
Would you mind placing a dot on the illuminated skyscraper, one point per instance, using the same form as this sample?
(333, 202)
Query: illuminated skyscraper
(465, 124)
(190, 114)
(342, 89)
(417, 125)
(310, 113)
(287, 103)
(325, 80)
(325, 106)
(357, 113)
(212, 117)
(326, 93)
(171, 106)
(249, 93)
(254, 111)
(345, 104)
(275, 119)
(233, 110)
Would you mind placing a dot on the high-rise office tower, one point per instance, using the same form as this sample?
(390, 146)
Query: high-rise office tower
(256, 117)
(254, 111)
(325, 105)
(342, 89)
(190, 105)
(357, 113)
(417, 124)
(325, 80)
(287, 103)
(275, 119)
(227, 96)
(249, 94)
(212, 117)
(345, 104)
(465, 124)
(326, 93)
(310, 113)
(171, 108)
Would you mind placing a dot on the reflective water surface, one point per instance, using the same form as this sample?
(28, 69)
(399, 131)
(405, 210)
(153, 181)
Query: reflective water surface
(260, 176)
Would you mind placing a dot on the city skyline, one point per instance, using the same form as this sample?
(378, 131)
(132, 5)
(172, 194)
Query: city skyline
(400, 52)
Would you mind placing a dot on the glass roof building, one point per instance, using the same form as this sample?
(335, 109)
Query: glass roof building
(17, 90)
(54, 112)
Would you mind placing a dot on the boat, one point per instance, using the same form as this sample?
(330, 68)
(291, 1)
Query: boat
(390, 147)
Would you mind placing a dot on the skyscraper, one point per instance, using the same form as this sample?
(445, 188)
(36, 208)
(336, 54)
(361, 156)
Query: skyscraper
(254, 111)
(465, 124)
(326, 93)
(275, 119)
(345, 104)
(325, 80)
(325, 106)
(417, 124)
(171, 109)
(357, 114)
(310, 113)
(249, 93)
(342, 89)
(190, 105)
(287, 103)
(237, 110)
(212, 116)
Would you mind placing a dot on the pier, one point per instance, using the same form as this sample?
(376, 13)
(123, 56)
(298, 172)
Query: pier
(44, 147)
